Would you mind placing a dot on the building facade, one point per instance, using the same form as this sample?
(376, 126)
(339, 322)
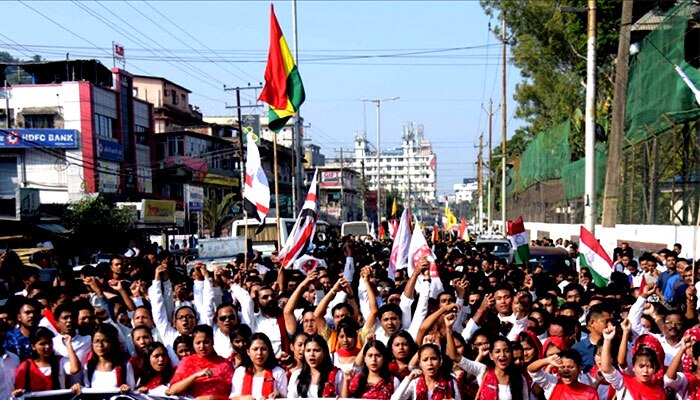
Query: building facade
(409, 170)
(76, 129)
(171, 102)
(465, 191)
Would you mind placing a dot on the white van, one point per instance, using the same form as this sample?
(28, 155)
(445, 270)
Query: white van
(355, 228)
(266, 240)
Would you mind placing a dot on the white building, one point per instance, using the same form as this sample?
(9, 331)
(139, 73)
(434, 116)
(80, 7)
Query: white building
(411, 169)
(465, 191)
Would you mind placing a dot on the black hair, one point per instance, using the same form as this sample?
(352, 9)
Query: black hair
(117, 357)
(389, 307)
(644, 351)
(139, 328)
(340, 306)
(40, 333)
(445, 369)
(34, 338)
(572, 355)
(325, 367)
(183, 339)
(515, 377)
(205, 329)
(412, 346)
(241, 330)
(384, 372)
(347, 325)
(64, 307)
(270, 361)
(149, 373)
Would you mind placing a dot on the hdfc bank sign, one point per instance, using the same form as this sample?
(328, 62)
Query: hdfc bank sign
(45, 138)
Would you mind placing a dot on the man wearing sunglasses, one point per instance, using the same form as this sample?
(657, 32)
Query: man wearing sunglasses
(226, 319)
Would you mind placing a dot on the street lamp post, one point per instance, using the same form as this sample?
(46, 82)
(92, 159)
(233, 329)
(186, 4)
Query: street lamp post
(378, 103)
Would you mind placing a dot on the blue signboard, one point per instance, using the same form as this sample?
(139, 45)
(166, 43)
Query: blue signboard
(109, 150)
(45, 138)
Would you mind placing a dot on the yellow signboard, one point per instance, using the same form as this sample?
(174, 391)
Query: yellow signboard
(158, 211)
(213, 179)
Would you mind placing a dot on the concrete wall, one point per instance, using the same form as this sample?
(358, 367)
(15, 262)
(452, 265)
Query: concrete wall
(640, 237)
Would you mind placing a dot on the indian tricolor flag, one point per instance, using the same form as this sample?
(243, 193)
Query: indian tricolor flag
(519, 241)
(283, 89)
(593, 256)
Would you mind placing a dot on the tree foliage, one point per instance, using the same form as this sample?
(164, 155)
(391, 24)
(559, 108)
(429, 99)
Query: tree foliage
(548, 45)
(218, 213)
(95, 223)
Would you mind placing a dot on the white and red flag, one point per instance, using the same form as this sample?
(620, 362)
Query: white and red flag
(463, 231)
(399, 249)
(256, 192)
(307, 263)
(417, 251)
(302, 233)
(593, 256)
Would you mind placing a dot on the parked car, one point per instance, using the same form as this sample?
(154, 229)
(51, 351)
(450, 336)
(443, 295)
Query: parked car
(496, 245)
(549, 258)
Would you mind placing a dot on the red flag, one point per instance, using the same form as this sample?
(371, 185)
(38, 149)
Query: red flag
(381, 231)
(302, 233)
(436, 234)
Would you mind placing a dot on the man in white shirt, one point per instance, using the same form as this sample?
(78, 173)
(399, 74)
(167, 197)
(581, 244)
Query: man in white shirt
(66, 322)
(8, 361)
(269, 319)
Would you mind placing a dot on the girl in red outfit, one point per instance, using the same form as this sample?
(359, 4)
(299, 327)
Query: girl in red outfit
(402, 348)
(375, 381)
(317, 377)
(260, 376)
(686, 384)
(203, 374)
(156, 370)
(45, 370)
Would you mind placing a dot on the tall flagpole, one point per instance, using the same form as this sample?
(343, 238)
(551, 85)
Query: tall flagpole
(277, 196)
(296, 132)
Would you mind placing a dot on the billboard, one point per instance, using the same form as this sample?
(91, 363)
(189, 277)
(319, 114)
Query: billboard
(158, 211)
(46, 138)
(194, 197)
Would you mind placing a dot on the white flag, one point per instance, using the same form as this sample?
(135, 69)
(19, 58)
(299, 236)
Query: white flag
(417, 251)
(399, 249)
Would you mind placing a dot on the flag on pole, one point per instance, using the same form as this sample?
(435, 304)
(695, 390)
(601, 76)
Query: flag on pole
(436, 233)
(394, 209)
(283, 90)
(399, 249)
(593, 256)
(417, 251)
(256, 192)
(519, 241)
(463, 231)
(393, 228)
(450, 218)
(302, 233)
(118, 52)
(381, 231)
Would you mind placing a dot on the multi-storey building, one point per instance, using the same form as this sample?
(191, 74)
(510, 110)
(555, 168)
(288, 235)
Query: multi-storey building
(76, 129)
(465, 191)
(409, 170)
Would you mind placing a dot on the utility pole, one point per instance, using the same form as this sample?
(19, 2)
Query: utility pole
(503, 133)
(378, 103)
(342, 186)
(489, 183)
(589, 197)
(612, 174)
(364, 190)
(480, 181)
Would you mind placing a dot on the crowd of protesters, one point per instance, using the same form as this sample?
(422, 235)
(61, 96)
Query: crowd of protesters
(251, 329)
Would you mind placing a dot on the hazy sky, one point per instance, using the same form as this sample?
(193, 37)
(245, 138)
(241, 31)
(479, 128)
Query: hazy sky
(438, 56)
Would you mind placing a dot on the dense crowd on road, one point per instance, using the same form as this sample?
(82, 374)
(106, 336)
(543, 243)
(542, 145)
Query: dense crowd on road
(250, 329)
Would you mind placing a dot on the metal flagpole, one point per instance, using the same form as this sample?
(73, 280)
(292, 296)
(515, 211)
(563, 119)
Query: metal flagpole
(277, 196)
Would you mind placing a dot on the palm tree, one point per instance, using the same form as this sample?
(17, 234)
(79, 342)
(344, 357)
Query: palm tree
(217, 214)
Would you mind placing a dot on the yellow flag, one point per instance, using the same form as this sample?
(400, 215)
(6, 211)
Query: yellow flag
(451, 218)
(394, 208)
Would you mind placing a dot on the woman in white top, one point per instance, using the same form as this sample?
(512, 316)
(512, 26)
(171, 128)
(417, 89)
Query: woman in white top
(260, 377)
(432, 381)
(108, 366)
(317, 376)
(348, 348)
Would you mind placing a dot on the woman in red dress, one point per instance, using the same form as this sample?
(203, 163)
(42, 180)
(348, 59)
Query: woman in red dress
(402, 348)
(203, 375)
(375, 381)
(156, 370)
(45, 370)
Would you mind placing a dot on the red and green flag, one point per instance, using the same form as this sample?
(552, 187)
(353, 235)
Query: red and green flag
(519, 241)
(283, 90)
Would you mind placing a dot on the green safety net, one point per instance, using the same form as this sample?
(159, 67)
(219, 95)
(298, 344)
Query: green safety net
(544, 157)
(573, 175)
(656, 94)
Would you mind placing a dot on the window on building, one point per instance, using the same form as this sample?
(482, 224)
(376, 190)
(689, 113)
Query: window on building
(176, 146)
(141, 134)
(183, 98)
(104, 126)
(37, 121)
